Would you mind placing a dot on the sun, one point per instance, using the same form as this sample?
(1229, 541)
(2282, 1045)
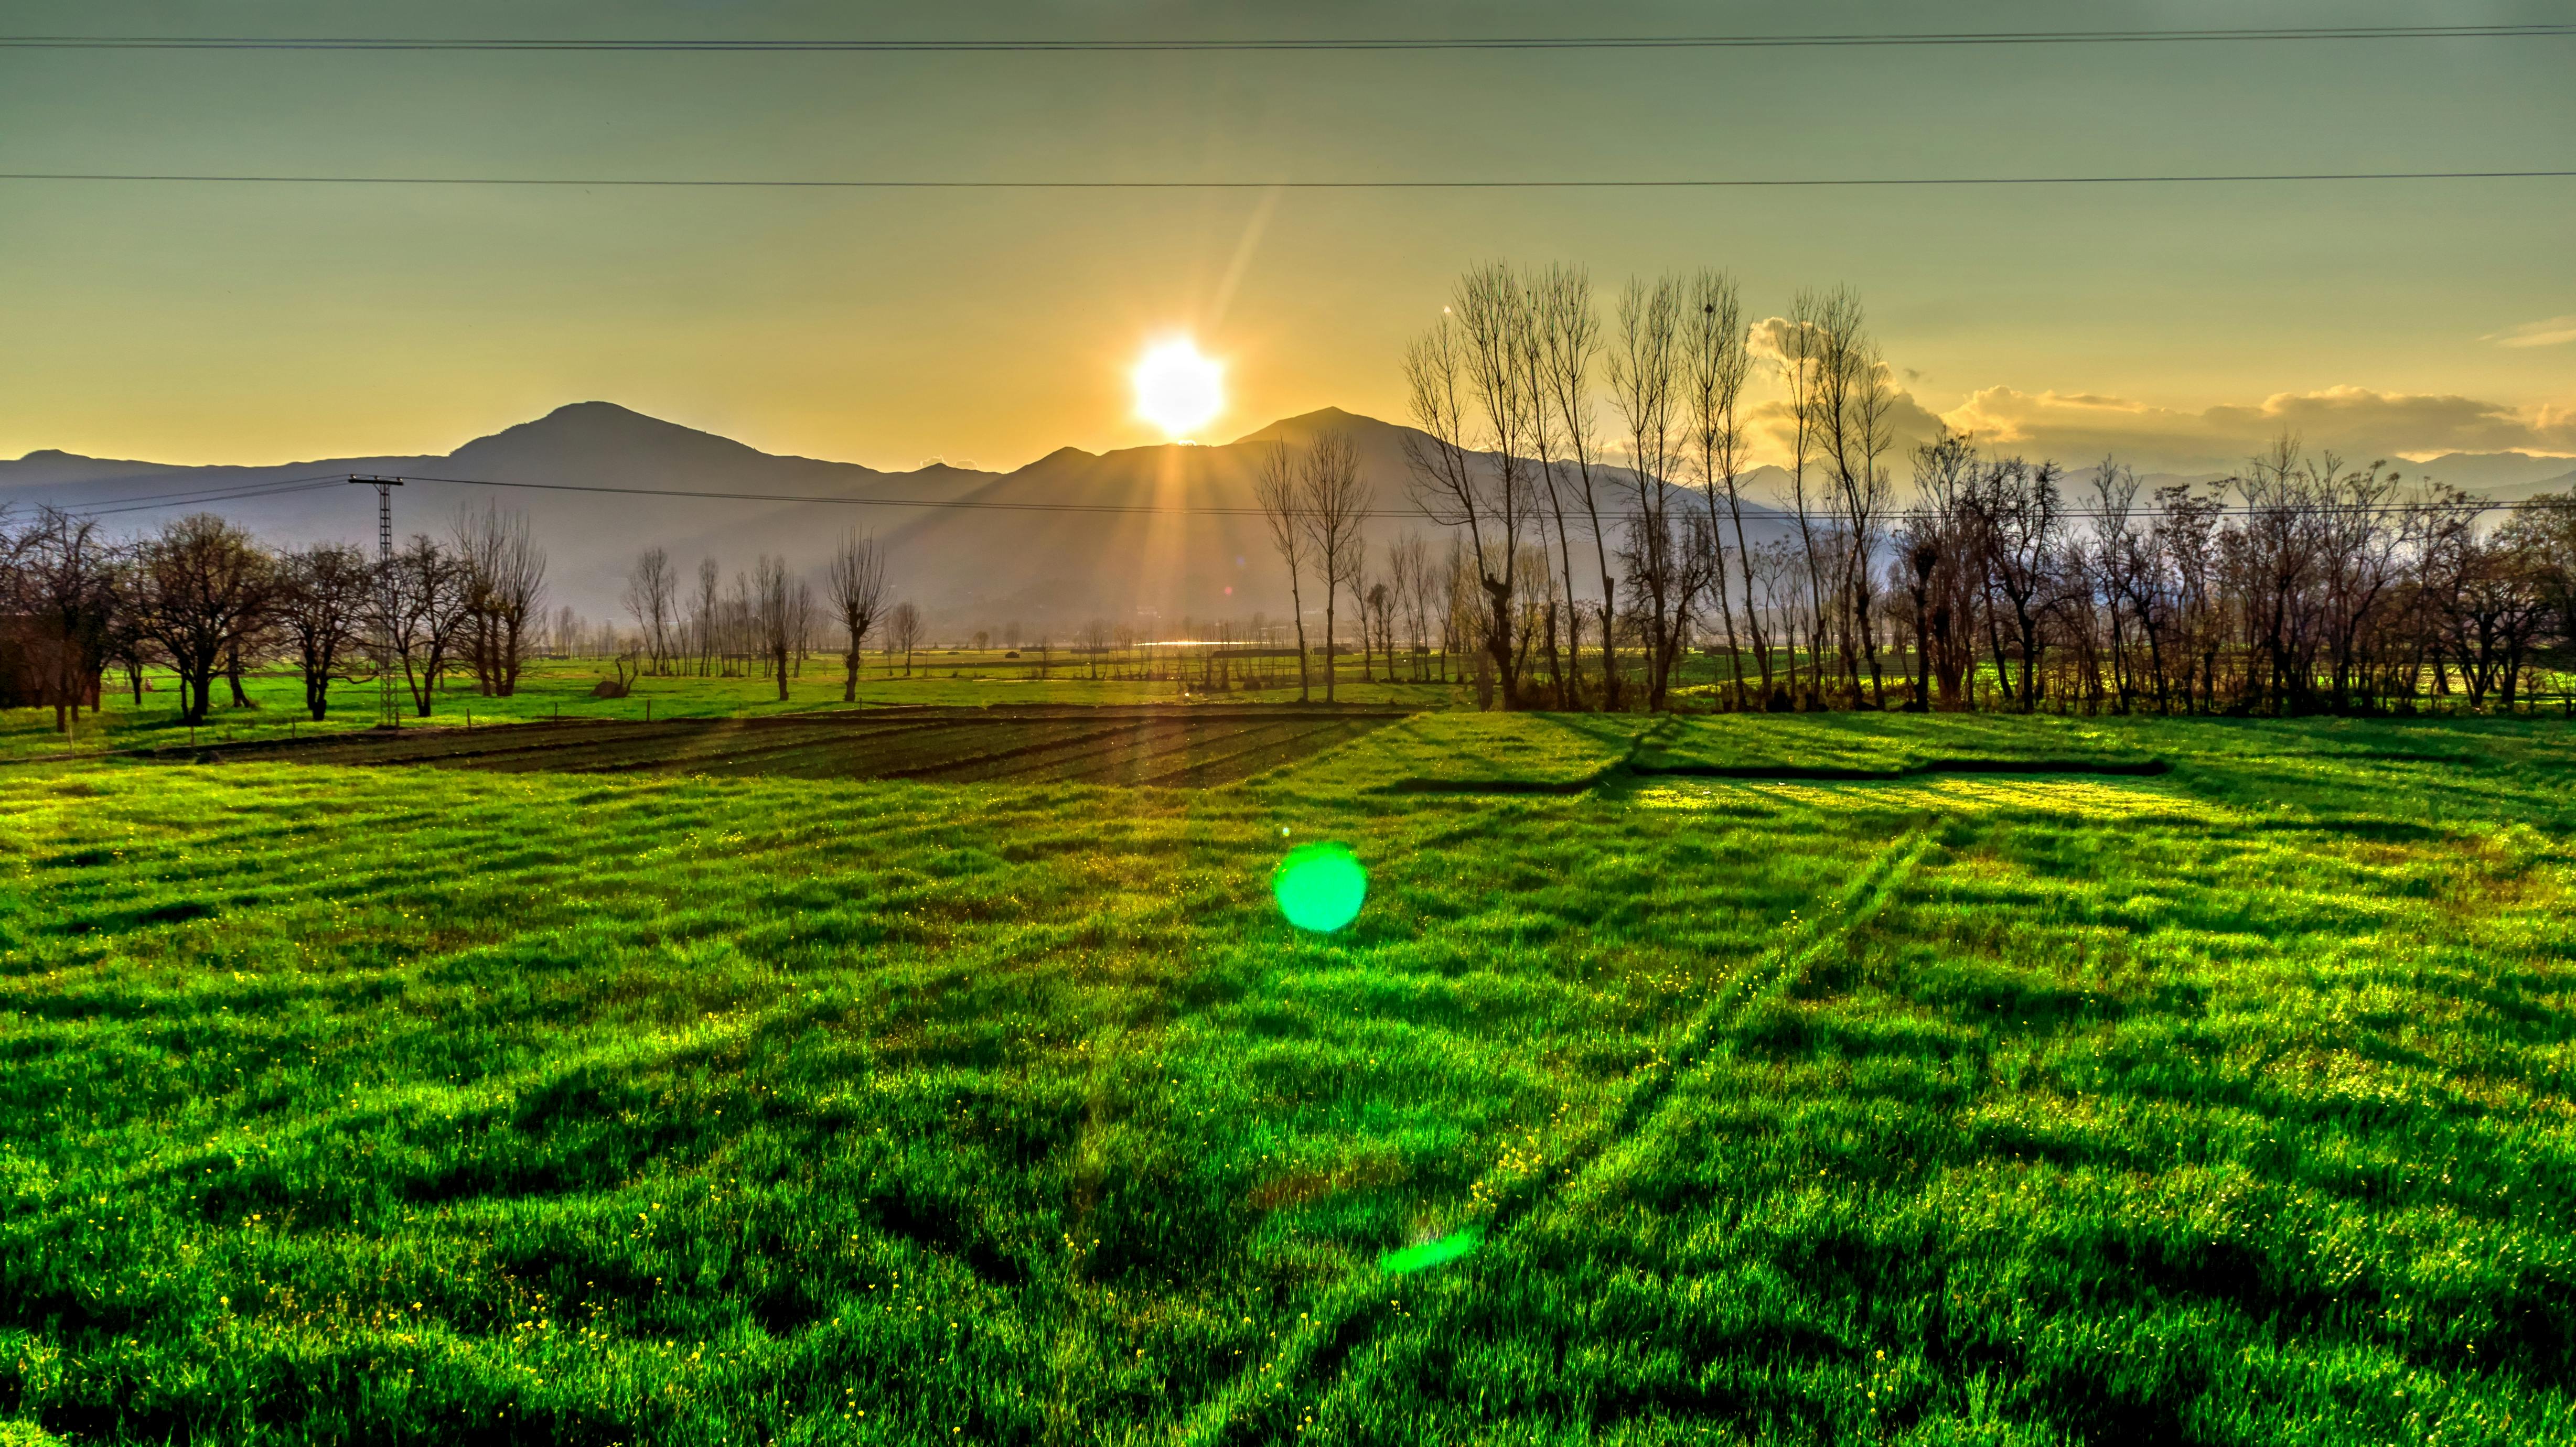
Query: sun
(1177, 388)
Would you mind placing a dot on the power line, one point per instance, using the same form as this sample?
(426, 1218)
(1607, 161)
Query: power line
(1402, 184)
(959, 46)
(229, 492)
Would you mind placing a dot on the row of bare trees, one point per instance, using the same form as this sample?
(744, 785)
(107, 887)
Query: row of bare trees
(207, 600)
(1550, 500)
(2299, 584)
(1315, 503)
(771, 619)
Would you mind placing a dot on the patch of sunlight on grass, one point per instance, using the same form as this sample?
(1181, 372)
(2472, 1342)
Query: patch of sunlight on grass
(1985, 793)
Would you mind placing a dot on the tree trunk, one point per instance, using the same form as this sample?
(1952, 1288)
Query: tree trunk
(1330, 671)
(1498, 645)
(1305, 690)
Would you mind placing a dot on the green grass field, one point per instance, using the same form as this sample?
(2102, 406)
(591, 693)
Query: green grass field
(1733, 1079)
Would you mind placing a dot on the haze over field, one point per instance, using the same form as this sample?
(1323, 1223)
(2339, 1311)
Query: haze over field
(989, 562)
(983, 564)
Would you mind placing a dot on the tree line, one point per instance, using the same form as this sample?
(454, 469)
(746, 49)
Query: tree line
(769, 620)
(1630, 539)
(207, 600)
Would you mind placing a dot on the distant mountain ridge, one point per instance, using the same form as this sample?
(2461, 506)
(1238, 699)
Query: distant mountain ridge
(1171, 535)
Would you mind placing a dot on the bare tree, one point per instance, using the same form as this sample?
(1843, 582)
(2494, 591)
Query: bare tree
(1570, 340)
(1644, 391)
(1408, 566)
(2545, 532)
(773, 596)
(1471, 355)
(1718, 362)
(1851, 397)
(199, 587)
(421, 608)
(1333, 498)
(505, 586)
(2020, 512)
(1794, 353)
(1094, 643)
(322, 604)
(649, 587)
(903, 633)
(1941, 565)
(1276, 486)
(706, 615)
(1527, 342)
(856, 583)
(58, 584)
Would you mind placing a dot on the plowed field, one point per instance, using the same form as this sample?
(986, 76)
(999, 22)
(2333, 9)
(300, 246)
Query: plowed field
(1180, 747)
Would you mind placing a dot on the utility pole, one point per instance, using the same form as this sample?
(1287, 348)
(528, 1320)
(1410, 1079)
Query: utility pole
(388, 713)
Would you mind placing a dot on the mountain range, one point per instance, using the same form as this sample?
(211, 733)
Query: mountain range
(1049, 545)
(973, 548)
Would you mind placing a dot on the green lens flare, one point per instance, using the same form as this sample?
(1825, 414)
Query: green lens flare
(1320, 886)
(1433, 1253)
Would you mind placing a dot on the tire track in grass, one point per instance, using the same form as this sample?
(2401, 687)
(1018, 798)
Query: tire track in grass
(1351, 1312)
(1289, 744)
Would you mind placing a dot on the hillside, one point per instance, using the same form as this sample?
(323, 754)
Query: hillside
(973, 548)
(1138, 535)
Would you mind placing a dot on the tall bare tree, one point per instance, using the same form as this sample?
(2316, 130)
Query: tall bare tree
(650, 585)
(855, 584)
(1277, 486)
(706, 615)
(505, 580)
(1526, 338)
(1795, 354)
(1408, 567)
(1333, 499)
(1718, 360)
(773, 610)
(1469, 360)
(1852, 398)
(1570, 341)
(1644, 390)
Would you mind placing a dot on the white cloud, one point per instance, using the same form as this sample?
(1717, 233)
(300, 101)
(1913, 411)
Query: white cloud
(2355, 421)
(2546, 333)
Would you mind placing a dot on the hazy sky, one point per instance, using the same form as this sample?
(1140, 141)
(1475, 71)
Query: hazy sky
(264, 323)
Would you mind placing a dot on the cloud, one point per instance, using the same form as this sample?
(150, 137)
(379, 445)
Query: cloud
(1910, 424)
(2355, 421)
(2546, 333)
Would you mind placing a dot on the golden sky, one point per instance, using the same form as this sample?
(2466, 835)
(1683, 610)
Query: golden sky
(262, 323)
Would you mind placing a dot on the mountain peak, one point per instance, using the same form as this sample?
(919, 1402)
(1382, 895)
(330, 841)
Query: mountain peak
(595, 432)
(1307, 424)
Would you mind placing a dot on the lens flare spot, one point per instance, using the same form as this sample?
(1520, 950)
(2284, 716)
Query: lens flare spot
(1433, 1253)
(1320, 886)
